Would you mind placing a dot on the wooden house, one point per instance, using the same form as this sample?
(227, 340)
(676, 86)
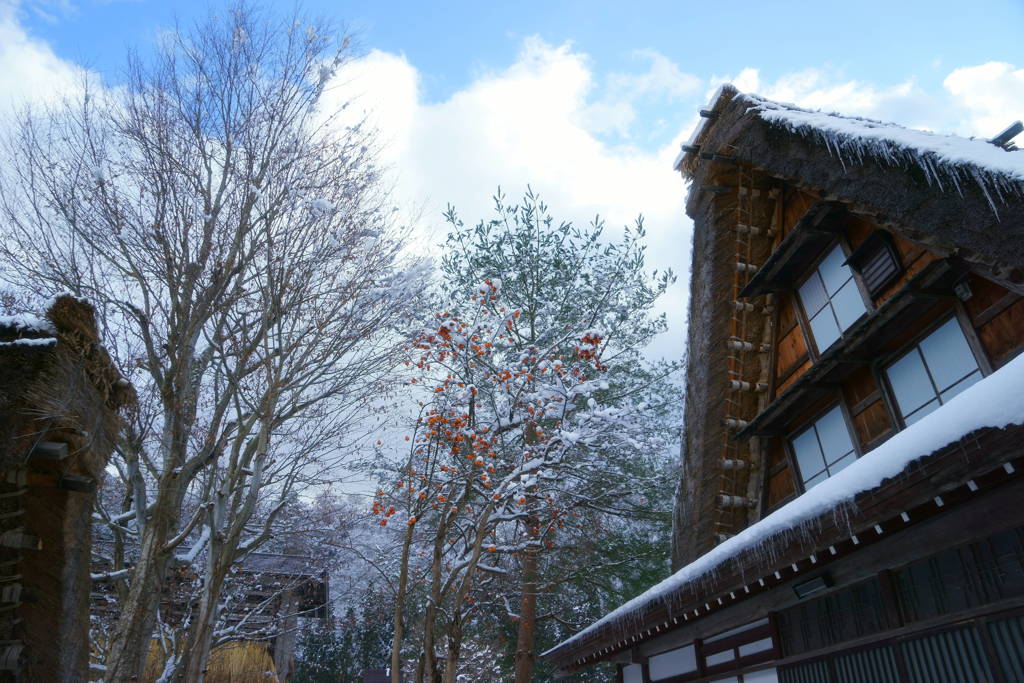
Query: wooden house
(850, 505)
(60, 396)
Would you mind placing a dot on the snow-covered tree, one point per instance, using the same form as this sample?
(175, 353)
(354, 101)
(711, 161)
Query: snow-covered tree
(542, 426)
(241, 249)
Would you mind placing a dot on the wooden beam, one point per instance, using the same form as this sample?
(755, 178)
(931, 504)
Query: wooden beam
(17, 538)
(50, 450)
(71, 482)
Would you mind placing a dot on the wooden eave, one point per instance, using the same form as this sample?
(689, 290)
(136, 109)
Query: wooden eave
(976, 464)
(797, 251)
(862, 344)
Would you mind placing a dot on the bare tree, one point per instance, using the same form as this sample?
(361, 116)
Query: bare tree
(242, 252)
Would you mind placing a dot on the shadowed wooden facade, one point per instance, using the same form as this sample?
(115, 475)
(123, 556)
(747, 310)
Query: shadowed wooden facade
(845, 285)
(59, 402)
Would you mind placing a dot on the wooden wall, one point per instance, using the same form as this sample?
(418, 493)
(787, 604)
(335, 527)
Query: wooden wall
(995, 317)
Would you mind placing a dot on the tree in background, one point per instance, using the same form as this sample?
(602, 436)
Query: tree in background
(560, 278)
(544, 433)
(240, 248)
(340, 652)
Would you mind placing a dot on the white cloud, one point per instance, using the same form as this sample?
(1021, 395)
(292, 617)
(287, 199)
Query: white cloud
(530, 123)
(977, 100)
(662, 82)
(30, 72)
(906, 102)
(546, 118)
(991, 95)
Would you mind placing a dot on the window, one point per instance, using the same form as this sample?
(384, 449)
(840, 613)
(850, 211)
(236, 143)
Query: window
(934, 371)
(831, 299)
(744, 645)
(676, 662)
(633, 673)
(824, 448)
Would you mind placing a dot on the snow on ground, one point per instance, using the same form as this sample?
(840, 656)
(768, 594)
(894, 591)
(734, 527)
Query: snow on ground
(996, 401)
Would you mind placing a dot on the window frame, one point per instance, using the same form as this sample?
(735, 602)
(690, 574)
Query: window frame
(881, 366)
(809, 423)
(804, 320)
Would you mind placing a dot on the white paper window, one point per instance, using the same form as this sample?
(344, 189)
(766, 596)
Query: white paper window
(933, 372)
(720, 657)
(824, 448)
(634, 673)
(739, 629)
(831, 299)
(762, 676)
(673, 663)
(755, 647)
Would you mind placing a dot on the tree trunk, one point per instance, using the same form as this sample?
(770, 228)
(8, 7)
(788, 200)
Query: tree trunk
(455, 622)
(284, 643)
(430, 618)
(192, 665)
(451, 662)
(403, 580)
(130, 640)
(527, 632)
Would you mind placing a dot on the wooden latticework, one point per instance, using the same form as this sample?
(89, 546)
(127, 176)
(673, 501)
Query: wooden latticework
(747, 348)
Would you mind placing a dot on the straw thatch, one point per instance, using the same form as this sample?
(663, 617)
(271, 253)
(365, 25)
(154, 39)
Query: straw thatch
(57, 385)
(68, 386)
(969, 210)
(235, 662)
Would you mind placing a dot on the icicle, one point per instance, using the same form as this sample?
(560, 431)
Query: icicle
(984, 189)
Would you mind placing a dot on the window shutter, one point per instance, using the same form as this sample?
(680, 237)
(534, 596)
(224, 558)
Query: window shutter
(877, 261)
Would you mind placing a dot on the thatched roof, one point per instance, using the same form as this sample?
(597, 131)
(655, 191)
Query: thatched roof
(55, 377)
(958, 195)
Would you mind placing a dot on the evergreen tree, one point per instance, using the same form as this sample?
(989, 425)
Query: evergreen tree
(537, 485)
(321, 657)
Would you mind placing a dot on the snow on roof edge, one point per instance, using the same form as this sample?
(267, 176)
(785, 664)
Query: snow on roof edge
(29, 322)
(995, 402)
(993, 168)
(890, 142)
(31, 341)
(700, 125)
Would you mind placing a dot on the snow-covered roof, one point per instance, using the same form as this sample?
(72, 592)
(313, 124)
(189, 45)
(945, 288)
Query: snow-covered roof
(852, 138)
(28, 323)
(997, 401)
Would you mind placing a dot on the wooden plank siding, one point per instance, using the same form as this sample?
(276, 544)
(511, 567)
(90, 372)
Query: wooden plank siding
(795, 205)
(994, 315)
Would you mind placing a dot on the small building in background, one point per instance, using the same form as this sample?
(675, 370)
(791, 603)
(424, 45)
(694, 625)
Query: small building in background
(60, 399)
(849, 510)
(376, 676)
(264, 600)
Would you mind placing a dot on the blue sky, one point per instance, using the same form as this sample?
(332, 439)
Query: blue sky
(453, 43)
(586, 101)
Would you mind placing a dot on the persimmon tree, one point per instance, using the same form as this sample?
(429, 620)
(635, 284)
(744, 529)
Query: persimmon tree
(535, 424)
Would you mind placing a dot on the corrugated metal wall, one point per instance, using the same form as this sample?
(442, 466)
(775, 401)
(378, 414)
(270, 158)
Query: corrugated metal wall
(950, 657)
(957, 656)
(1008, 642)
(812, 672)
(870, 666)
